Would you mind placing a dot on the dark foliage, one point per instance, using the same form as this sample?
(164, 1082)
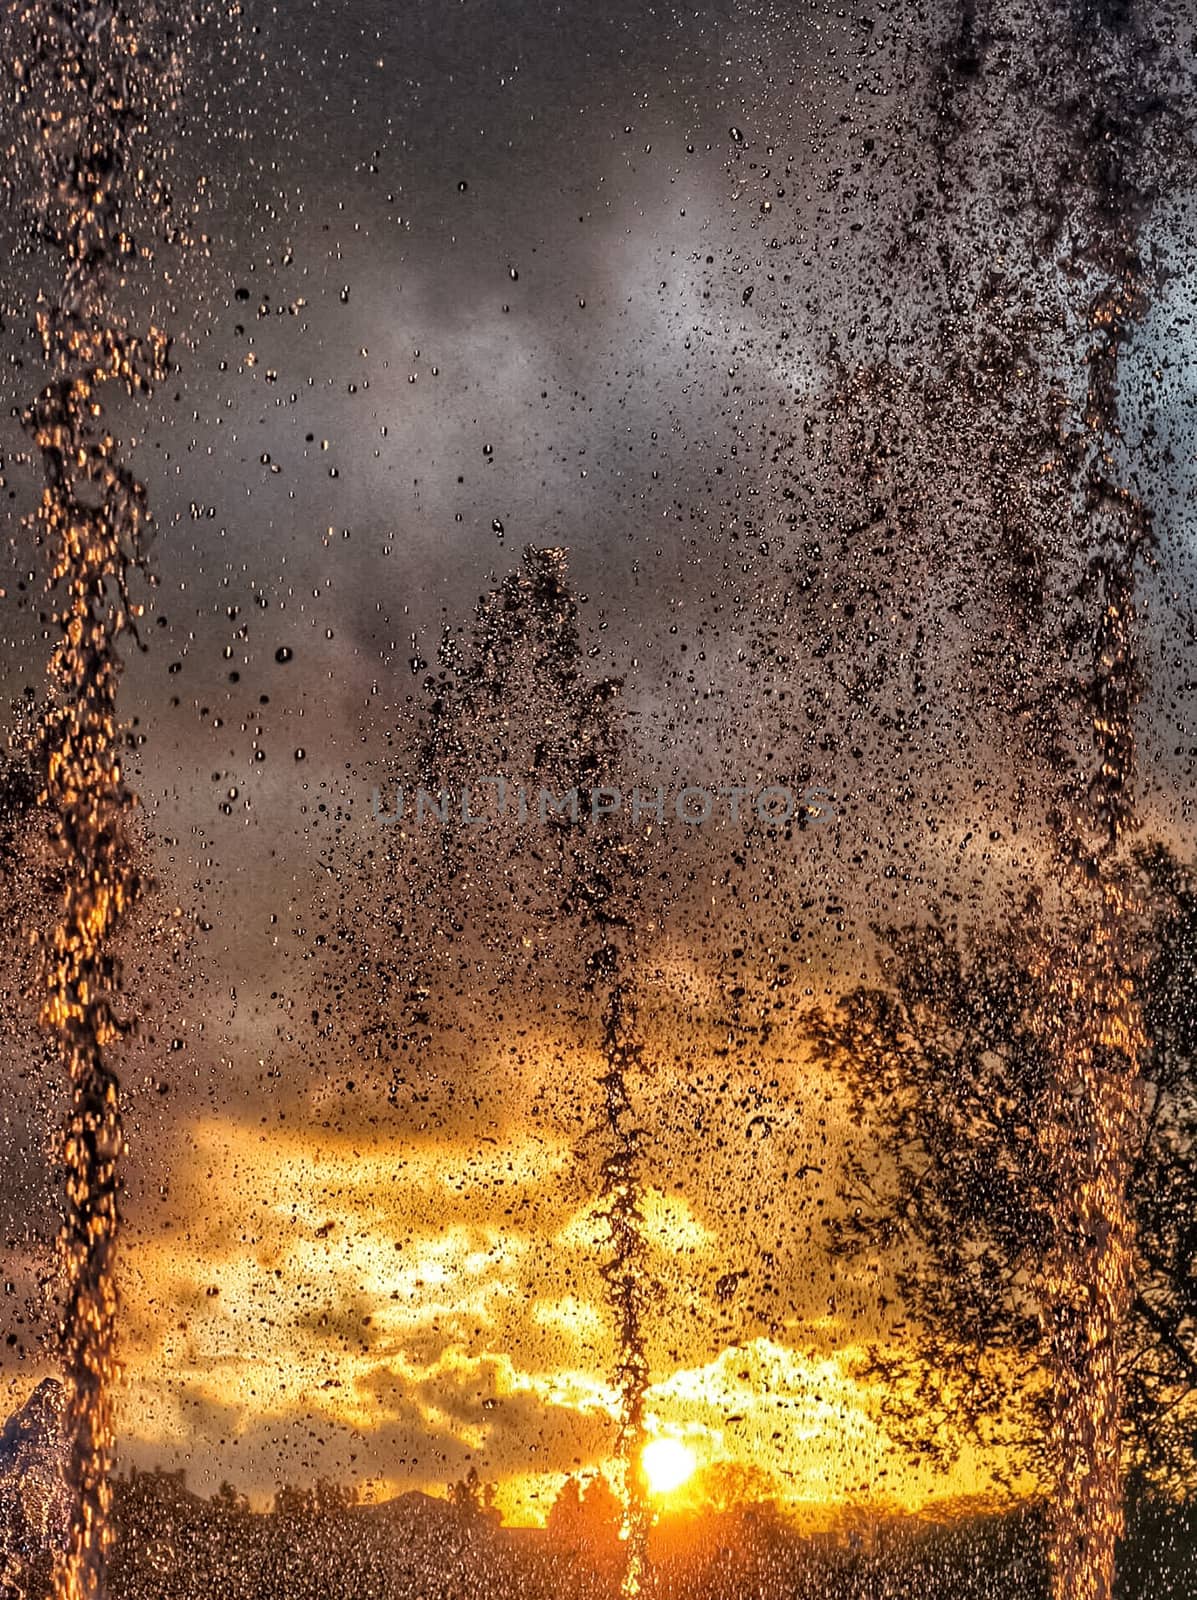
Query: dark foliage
(948, 1063)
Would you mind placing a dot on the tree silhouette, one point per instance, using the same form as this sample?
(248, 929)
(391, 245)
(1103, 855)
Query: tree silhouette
(474, 1501)
(733, 1487)
(948, 1063)
(230, 1501)
(585, 1516)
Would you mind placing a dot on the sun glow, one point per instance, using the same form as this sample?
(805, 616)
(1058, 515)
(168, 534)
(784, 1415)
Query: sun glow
(667, 1464)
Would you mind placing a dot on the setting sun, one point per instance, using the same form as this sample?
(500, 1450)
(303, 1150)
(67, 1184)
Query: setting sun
(667, 1464)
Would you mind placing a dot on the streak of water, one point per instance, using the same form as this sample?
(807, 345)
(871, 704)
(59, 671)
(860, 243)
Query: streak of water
(1094, 1130)
(626, 1270)
(1108, 128)
(521, 702)
(81, 82)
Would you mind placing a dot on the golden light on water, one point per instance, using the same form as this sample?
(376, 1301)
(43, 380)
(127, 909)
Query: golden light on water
(667, 1464)
(83, 103)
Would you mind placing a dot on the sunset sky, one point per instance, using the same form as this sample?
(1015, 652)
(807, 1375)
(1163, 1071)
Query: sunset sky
(481, 276)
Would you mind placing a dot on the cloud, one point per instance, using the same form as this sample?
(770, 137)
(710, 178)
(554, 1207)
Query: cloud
(363, 1310)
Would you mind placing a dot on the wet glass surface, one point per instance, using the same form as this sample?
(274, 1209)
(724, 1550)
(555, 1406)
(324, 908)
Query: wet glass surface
(596, 823)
